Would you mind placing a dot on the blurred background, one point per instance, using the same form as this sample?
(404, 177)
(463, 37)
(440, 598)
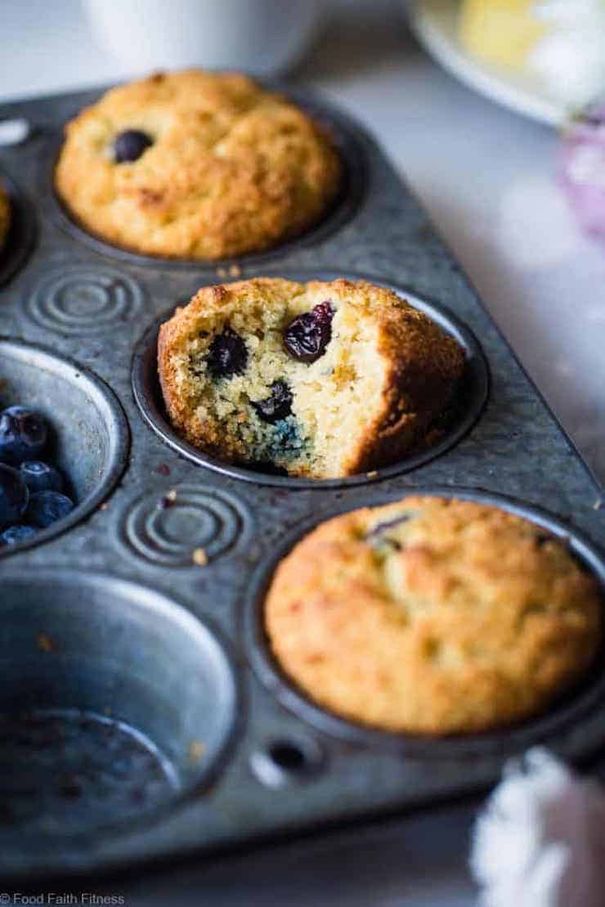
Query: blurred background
(470, 113)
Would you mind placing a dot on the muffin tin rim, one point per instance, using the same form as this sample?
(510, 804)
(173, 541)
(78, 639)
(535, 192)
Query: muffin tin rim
(563, 712)
(118, 431)
(147, 394)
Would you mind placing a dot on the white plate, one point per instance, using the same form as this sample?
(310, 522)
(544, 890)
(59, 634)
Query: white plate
(435, 24)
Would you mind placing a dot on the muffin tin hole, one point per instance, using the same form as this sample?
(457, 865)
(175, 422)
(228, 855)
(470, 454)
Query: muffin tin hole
(115, 703)
(21, 234)
(586, 697)
(89, 430)
(285, 760)
(342, 209)
(57, 766)
(463, 413)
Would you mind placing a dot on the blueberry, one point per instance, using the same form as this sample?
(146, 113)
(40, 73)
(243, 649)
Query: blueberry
(277, 405)
(23, 434)
(46, 507)
(383, 527)
(16, 534)
(128, 146)
(379, 533)
(227, 355)
(308, 335)
(13, 496)
(39, 476)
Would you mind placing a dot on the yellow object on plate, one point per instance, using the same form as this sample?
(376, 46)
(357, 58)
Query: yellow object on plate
(502, 32)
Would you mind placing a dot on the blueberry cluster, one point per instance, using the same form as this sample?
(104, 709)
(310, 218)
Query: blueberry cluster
(305, 338)
(31, 490)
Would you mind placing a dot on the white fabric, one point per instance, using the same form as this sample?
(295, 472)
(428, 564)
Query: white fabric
(540, 840)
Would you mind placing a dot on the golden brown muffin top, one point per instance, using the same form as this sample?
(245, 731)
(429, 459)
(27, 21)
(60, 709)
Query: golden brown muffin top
(433, 616)
(232, 168)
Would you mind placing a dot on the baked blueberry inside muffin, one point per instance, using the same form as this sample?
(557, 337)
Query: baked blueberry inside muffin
(324, 379)
(433, 616)
(196, 165)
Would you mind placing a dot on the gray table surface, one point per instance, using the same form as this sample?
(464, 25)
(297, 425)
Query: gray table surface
(487, 179)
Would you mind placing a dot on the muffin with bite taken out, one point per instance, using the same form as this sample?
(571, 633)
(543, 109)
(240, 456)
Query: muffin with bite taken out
(323, 380)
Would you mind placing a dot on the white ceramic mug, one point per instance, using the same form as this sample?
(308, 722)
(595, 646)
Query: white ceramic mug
(260, 36)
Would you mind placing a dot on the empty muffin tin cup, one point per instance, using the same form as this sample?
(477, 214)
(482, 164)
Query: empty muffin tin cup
(587, 696)
(470, 398)
(89, 434)
(21, 234)
(350, 194)
(115, 705)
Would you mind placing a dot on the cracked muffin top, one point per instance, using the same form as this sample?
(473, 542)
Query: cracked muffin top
(4, 215)
(196, 165)
(433, 616)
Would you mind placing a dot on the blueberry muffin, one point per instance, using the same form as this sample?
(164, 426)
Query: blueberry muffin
(5, 216)
(432, 616)
(196, 165)
(323, 379)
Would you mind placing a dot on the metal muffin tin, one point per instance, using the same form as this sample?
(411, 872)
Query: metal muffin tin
(132, 644)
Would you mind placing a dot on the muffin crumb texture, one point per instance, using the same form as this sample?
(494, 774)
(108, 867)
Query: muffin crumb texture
(433, 616)
(196, 165)
(320, 380)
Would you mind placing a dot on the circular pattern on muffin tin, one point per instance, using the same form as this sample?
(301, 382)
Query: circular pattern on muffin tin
(84, 299)
(185, 526)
